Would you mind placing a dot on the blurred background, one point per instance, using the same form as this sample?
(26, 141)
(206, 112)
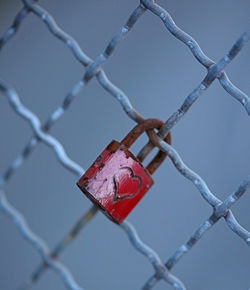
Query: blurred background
(157, 72)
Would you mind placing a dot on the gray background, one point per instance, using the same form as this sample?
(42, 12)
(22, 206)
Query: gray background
(157, 72)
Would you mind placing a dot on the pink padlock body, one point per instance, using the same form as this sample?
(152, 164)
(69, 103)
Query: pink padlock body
(116, 182)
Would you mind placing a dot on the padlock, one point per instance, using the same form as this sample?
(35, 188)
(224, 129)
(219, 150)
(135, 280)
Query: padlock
(117, 180)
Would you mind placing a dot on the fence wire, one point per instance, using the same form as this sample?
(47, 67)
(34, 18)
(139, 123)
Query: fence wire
(221, 209)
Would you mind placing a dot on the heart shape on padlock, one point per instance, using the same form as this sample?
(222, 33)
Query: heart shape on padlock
(126, 184)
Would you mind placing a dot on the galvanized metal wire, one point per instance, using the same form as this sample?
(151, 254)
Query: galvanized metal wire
(36, 242)
(94, 69)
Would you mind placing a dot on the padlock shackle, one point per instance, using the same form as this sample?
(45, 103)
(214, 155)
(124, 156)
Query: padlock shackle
(137, 131)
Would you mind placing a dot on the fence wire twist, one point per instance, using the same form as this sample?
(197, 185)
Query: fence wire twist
(94, 69)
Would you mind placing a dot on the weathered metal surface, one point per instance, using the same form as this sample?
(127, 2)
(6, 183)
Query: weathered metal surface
(115, 183)
(117, 180)
(148, 125)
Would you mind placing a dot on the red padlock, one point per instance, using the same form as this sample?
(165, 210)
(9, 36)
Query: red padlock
(117, 181)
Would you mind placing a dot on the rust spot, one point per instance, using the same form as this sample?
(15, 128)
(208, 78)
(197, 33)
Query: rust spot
(113, 146)
(128, 153)
(98, 158)
(83, 182)
(101, 166)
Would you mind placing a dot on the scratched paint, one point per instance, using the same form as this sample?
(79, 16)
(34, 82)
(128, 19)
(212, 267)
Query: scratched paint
(116, 182)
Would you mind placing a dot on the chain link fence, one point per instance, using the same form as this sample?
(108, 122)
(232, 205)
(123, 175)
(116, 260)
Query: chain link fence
(221, 208)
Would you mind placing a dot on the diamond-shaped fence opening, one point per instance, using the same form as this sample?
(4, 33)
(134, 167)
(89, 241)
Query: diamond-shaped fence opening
(93, 69)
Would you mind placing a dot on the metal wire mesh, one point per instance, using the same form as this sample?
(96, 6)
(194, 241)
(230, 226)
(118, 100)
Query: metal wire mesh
(221, 209)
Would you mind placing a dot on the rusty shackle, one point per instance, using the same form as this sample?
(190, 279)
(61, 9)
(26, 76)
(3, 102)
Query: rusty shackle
(141, 128)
